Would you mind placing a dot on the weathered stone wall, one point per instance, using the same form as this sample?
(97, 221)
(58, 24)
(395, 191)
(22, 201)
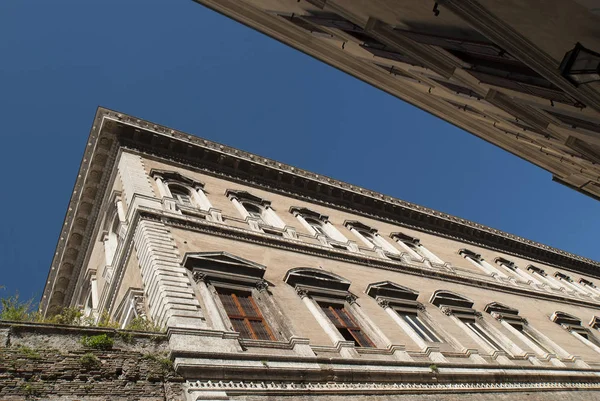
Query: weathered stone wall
(50, 362)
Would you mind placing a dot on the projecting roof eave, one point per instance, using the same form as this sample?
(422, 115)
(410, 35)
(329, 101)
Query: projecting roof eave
(110, 127)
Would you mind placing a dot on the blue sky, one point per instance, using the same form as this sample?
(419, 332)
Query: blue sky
(179, 64)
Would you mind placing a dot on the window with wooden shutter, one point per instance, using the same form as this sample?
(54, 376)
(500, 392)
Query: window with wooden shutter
(244, 314)
(346, 325)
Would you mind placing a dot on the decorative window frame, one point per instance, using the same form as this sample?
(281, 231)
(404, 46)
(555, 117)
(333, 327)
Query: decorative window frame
(397, 301)
(380, 245)
(212, 270)
(573, 325)
(524, 275)
(200, 204)
(269, 222)
(316, 286)
(572, 288)
(483, 265)
(588, 284)
(460, 309)
(536, 341)
(132, 306)
(550, 282)
(113, 233)
(421, 253)
(332, 238)
(88, 296)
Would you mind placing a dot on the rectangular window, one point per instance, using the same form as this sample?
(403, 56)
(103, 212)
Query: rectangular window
(535, 341)
(346, 325)
(481, 333)
(422, 329)
(244, 315)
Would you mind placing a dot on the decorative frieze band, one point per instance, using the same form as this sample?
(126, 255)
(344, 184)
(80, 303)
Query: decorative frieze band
(374, 388)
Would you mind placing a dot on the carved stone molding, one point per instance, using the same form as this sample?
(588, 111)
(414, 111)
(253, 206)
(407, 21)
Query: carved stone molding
(384, 303)
(262, 285)
(240, 387)
(301, 292)
(351, 298)
(199, 276)
(446, 311)
(140, 308)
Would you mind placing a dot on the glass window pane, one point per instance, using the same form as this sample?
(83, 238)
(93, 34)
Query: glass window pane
(241, 326)
(260, 330)
(332, 316)
(247, 306)
(485, 336)
(346, 318)
(229, 304)
(361, 338)
(421, 328)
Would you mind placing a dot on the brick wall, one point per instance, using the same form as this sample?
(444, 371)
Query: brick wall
(49, 362)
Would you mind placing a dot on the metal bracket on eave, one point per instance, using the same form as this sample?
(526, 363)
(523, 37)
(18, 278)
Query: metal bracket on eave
(385, 34)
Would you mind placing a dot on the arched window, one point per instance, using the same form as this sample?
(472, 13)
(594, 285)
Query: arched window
(370, 237)
(461, 308)
(319, 225)
(188, 195)
(402, 305)
(259, 214)
(254, 211)
(535, 340)
(316, 225)
(573, 325)
(181, 195)
(414, 247)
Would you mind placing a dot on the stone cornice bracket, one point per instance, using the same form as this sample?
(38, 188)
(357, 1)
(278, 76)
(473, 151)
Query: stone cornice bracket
(302, 293)
(384, 303)
(421, 307)
(351, 298)
(199, 276)
(262, 285)
(447, 311)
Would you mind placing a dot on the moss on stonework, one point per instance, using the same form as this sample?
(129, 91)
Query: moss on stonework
(29, 353)
(163, 361)
(101, 341)
(89, 361)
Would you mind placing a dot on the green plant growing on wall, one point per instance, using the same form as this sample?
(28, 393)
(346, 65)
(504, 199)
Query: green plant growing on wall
(101, 341)
(29, 353)
(106, 321)
(69, 316)
(29, 391)
(141, 324)
(89, 361)
(162, 360)
(15, 310)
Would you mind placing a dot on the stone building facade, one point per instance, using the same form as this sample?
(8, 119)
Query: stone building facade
(499, 69)
(277, 283)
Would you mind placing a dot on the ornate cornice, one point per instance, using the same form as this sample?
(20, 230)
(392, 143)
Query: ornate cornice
(112, 131)
(224, 161)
